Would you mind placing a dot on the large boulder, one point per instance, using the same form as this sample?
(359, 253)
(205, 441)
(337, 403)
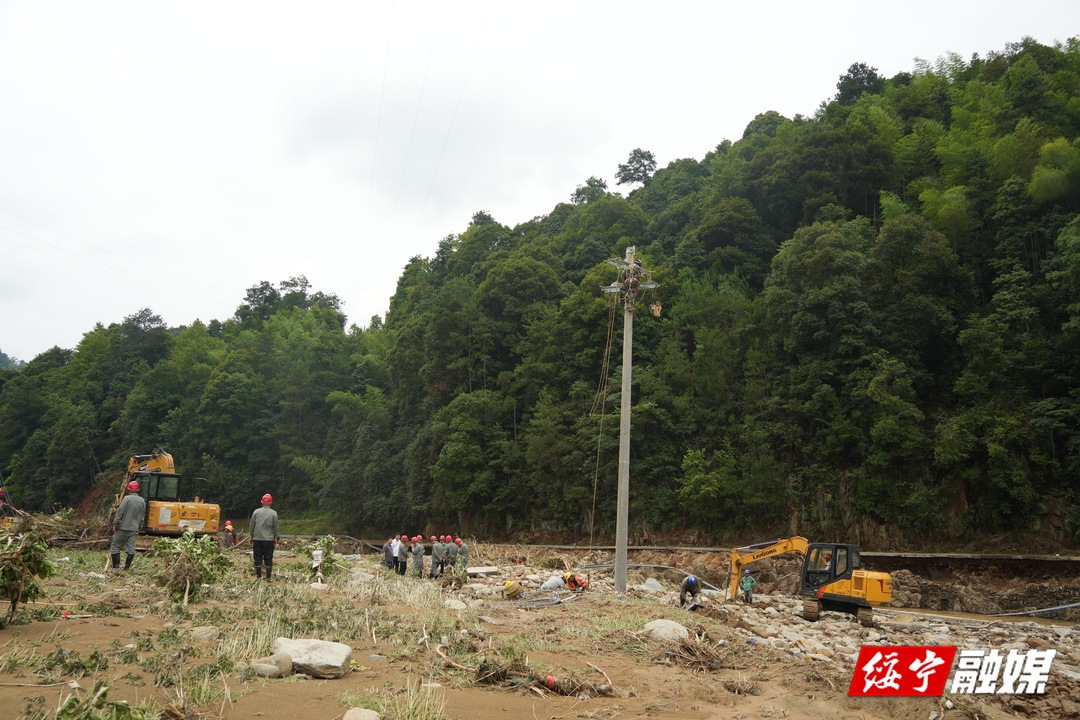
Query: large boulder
(318, 658)
(668, 630)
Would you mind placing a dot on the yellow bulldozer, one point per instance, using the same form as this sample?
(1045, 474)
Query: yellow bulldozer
(161, 486)
(833, 577)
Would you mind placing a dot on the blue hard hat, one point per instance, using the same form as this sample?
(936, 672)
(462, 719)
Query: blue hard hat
(746, 572)
(691, 580)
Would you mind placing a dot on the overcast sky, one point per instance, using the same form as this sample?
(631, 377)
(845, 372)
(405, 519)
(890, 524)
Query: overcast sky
(172, 155)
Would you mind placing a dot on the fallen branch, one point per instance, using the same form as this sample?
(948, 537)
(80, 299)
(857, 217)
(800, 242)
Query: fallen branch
(602, 673)
(448, 661)
(69, 683)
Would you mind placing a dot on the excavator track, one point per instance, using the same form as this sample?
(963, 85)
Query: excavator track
(811, 609)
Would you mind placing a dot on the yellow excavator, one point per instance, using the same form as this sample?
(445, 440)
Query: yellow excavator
(8, 517)
(833, 577)
(160, 485)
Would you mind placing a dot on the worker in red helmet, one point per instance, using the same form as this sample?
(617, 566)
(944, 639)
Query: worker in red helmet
(126, 524)
(438, 557)
(403, 554)
(451, 552)
(264, 537)
(418, 556)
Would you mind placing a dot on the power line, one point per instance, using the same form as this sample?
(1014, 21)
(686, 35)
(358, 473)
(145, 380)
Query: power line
(125, 272)
(378, 126)
(416, 118)
(453, 115)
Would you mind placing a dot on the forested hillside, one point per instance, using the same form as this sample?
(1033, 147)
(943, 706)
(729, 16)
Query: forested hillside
(870, 330)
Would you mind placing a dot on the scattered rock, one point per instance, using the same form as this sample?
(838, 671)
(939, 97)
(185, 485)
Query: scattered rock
(490, 620)
(361, 714)
(482, 571)
(281, 661)
(205, 632)
(318, 658)
(654, 584)
(265, 670)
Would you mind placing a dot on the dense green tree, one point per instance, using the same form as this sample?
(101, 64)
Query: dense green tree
(593, 189)
(638, 168)
(860, 78)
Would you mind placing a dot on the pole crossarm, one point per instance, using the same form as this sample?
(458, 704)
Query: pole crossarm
(633, 279)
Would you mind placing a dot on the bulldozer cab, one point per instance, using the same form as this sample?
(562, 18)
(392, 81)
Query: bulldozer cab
(828, 562)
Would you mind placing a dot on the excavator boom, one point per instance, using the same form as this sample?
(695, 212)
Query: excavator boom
(741, 557)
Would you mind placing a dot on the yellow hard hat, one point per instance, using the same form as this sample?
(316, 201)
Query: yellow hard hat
(567, 576)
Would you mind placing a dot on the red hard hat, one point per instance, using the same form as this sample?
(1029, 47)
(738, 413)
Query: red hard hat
(432, 538)
(417, 539)
(267, 498)
(457, 540)
(133, 486)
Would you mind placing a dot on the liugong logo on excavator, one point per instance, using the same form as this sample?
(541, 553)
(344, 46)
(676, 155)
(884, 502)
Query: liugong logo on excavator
(764, 553)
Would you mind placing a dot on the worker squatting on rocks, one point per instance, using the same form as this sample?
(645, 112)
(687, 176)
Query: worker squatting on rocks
(264, 536)
(690, 586)
(418, 556)
(126, 523)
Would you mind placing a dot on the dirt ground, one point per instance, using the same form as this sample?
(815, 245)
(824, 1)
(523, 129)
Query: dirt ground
(155, 659)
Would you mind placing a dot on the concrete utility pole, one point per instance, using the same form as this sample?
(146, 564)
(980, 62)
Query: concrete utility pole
(631, 282)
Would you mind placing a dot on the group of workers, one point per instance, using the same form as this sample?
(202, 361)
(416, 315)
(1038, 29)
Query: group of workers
(447, 551)
(691, 586)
